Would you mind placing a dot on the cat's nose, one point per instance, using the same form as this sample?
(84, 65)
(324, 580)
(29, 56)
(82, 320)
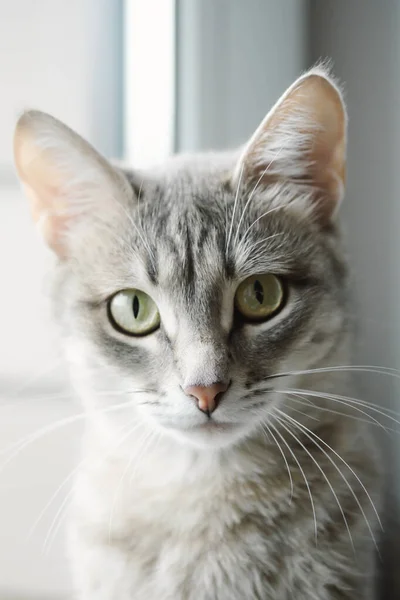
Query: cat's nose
(207, 396)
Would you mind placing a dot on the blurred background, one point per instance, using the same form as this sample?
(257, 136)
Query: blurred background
(142, 79)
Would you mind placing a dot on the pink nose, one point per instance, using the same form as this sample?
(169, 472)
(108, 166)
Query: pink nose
(207, 396)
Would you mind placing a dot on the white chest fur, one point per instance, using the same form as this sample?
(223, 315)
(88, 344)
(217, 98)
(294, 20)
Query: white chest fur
(177, 526)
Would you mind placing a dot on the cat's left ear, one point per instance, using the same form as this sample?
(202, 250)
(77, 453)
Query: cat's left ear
(302, 143)
(69, 185)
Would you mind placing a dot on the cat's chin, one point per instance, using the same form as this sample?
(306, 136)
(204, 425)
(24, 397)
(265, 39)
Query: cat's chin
(209, 434)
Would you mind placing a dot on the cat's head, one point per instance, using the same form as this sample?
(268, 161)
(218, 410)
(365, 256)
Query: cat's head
(182, 290)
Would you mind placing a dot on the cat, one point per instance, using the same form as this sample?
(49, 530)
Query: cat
(204, 307)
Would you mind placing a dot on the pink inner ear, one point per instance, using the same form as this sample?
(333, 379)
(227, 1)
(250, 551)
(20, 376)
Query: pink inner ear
(302, 141)
(64, 177)
(43, 209)
(41, 183)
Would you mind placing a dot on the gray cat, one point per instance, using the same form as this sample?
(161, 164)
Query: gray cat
(204, 308)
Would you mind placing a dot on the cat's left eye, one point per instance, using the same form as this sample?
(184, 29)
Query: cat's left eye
(133, 312)
(259, 297)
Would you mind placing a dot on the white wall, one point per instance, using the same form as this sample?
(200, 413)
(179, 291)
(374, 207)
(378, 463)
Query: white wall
(60, 57)
(63, 57)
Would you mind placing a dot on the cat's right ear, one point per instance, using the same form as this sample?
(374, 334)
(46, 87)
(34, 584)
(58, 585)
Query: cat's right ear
(66, 181)
(301, 145)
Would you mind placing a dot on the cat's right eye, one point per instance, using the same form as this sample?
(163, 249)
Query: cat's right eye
(133, 312)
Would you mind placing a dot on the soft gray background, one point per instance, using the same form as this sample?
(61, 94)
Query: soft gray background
(363, 39)
(233, 60)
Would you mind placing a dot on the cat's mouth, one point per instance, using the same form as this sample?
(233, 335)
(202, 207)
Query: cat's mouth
(214, 426)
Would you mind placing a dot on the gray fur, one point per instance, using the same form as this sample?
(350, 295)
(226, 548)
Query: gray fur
(272, 551)
(255, 507)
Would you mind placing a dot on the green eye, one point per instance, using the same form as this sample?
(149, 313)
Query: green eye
(259, 297)
(133, 312)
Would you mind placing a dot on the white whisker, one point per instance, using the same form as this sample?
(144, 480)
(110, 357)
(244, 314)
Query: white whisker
(234, 210)
(72, 395)
(284, 458)
(263, 240)
(312, 433)
(254, 191)
(392, 372)
(346, 400)
(322, 473)
(322, 395)
(271, 210)
(303, 475)
(294, 398)
(54, 527)
(50, 502)
(69, 477)
(301, 412)
(18, 446)
(144, 241)
(305, 430)
(138, 205)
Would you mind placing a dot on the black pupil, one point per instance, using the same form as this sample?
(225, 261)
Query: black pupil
(135, 306)
(259, 291)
